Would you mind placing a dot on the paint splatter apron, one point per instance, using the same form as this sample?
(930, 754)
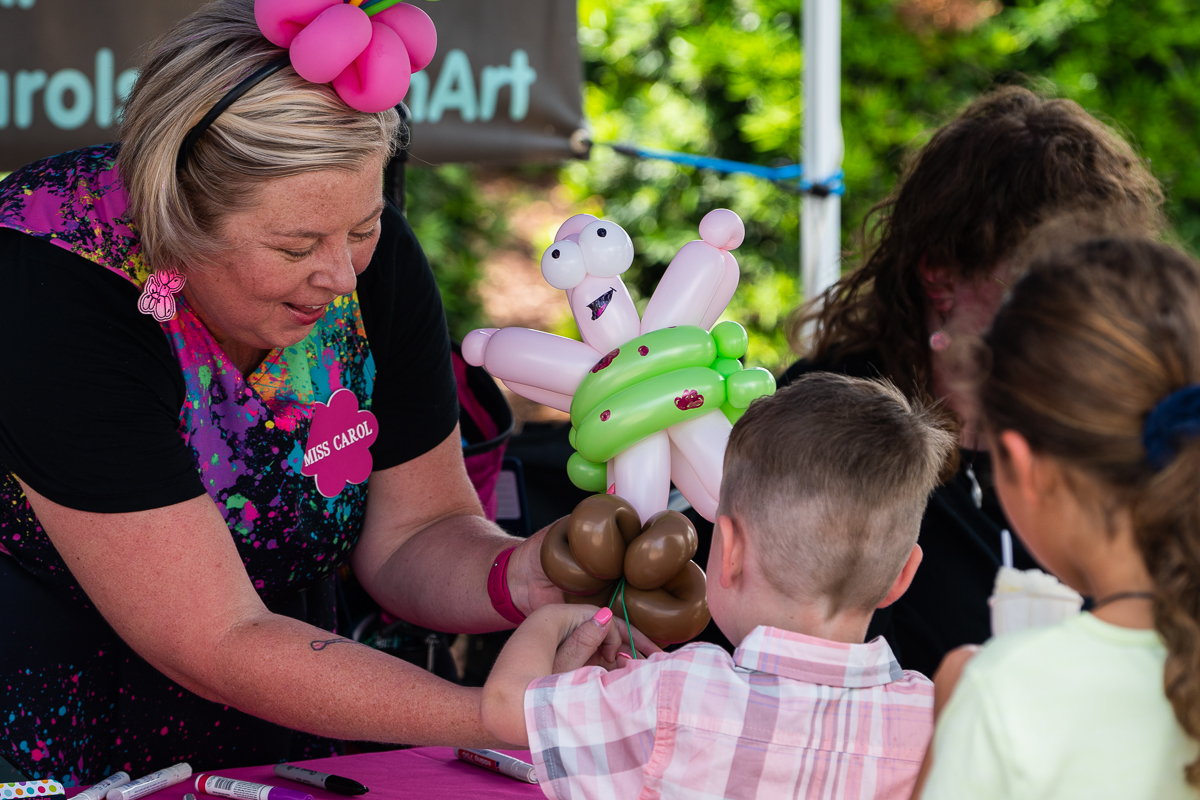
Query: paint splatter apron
(96, 707)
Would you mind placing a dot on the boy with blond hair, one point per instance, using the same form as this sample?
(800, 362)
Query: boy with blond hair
(824, 487)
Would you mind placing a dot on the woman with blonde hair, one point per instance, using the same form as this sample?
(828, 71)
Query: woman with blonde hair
(229, 374)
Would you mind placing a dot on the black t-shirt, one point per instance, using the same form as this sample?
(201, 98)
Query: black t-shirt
(91, 393)
(946, 605)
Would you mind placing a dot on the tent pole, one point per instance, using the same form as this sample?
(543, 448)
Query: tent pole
(821, 216)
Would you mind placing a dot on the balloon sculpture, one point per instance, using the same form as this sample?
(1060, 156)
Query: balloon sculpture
(368, 49)
(602, 555)
(652, 400)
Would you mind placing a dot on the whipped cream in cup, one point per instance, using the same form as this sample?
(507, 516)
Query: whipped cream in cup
(1030, 599)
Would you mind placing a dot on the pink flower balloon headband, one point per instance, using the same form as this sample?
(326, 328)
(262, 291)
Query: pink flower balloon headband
(368, 50)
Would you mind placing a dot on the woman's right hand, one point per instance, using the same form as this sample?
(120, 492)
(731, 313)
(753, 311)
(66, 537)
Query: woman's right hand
(527, 581)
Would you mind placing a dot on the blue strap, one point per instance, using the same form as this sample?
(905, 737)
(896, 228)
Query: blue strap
(785, 174)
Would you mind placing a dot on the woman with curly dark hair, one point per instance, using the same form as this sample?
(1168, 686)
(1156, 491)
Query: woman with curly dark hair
(938, 261)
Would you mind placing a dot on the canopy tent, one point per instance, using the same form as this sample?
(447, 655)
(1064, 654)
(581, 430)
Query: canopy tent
(821, 212)
(504, 87)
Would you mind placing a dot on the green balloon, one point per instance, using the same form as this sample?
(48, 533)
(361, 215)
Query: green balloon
(732, 339)
(727, 366)
(732, 414)
(646, 408)
(654, 353)
(748, 385)
(587, 475)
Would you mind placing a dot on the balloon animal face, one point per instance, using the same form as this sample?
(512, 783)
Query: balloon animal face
(652, 400)
(587, 260)
(588, 553)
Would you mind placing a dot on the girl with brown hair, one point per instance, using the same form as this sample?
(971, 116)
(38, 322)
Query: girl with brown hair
(939, 265)
(1090, 397)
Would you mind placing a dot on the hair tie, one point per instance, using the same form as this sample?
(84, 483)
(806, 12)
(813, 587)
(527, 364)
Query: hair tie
(1170, 424)
(367, 49)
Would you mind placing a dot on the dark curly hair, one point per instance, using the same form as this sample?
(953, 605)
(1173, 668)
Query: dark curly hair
(1009, 161)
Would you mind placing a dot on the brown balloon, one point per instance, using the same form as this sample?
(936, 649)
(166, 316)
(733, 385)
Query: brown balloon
(674, 613)
(560, 564)
(599, 528)
(667, 543)
(664, 590)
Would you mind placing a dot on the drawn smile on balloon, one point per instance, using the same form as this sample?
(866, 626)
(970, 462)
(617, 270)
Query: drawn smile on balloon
(600, 303)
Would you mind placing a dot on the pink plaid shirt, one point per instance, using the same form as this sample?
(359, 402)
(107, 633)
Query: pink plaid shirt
(787, 716)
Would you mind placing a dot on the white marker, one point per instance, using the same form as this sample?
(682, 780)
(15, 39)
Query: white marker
(101, 789)
(498, 762)
(151, 783)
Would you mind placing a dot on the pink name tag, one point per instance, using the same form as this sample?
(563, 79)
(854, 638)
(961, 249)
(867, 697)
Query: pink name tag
(336, 452)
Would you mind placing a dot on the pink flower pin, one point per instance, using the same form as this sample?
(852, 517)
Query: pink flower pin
(158, 295)
(337, 450)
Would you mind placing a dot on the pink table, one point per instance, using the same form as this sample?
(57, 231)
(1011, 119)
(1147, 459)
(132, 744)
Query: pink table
(428, 773)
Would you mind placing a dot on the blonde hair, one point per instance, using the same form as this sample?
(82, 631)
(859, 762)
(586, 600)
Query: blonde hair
(830, 477)
(282, 127)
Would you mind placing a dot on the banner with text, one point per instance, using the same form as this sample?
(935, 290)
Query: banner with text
(504, 87)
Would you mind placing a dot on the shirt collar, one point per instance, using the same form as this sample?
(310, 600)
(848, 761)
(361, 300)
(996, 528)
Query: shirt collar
(820, 661)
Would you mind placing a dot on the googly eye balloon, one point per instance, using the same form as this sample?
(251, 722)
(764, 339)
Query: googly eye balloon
(562, 265)
(607, 249)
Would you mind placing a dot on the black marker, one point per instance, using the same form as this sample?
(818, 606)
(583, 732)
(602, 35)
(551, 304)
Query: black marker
(333, 783)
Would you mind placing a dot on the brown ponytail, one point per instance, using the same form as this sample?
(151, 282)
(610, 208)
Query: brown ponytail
(1091, 339)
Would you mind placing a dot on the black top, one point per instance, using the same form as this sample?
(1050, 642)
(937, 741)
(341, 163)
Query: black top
(946, 606)
(89, 412)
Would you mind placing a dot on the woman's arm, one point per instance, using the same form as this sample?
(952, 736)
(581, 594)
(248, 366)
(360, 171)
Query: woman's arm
(426, 548)
(172, 585)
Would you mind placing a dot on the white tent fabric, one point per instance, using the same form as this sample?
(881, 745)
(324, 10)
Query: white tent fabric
(821, 217)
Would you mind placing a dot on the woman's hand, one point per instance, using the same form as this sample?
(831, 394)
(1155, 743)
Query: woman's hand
(426, 549)
(527, 581)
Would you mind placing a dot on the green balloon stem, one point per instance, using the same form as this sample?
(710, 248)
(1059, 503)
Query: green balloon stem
(628, 628)
(380, 5)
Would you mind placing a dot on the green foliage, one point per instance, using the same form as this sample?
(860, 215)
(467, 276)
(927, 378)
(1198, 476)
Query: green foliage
(703, 76)
(456, 227)
(722, 78)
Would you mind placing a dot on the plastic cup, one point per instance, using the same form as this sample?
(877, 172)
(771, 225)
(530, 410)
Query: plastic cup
(1016, 611)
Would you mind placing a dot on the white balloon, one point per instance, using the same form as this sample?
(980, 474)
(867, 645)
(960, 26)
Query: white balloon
(643, 475)
(702, 442)
(563, 266)
(607, 249)
(691, 487)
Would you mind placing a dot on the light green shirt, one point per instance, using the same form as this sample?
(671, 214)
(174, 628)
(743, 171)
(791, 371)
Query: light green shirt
(1075, 710)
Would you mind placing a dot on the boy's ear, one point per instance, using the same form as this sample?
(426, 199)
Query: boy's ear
(905, 578)
(733, 551)
(938, 282)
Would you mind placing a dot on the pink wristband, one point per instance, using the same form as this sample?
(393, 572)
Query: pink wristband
(497, 586)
